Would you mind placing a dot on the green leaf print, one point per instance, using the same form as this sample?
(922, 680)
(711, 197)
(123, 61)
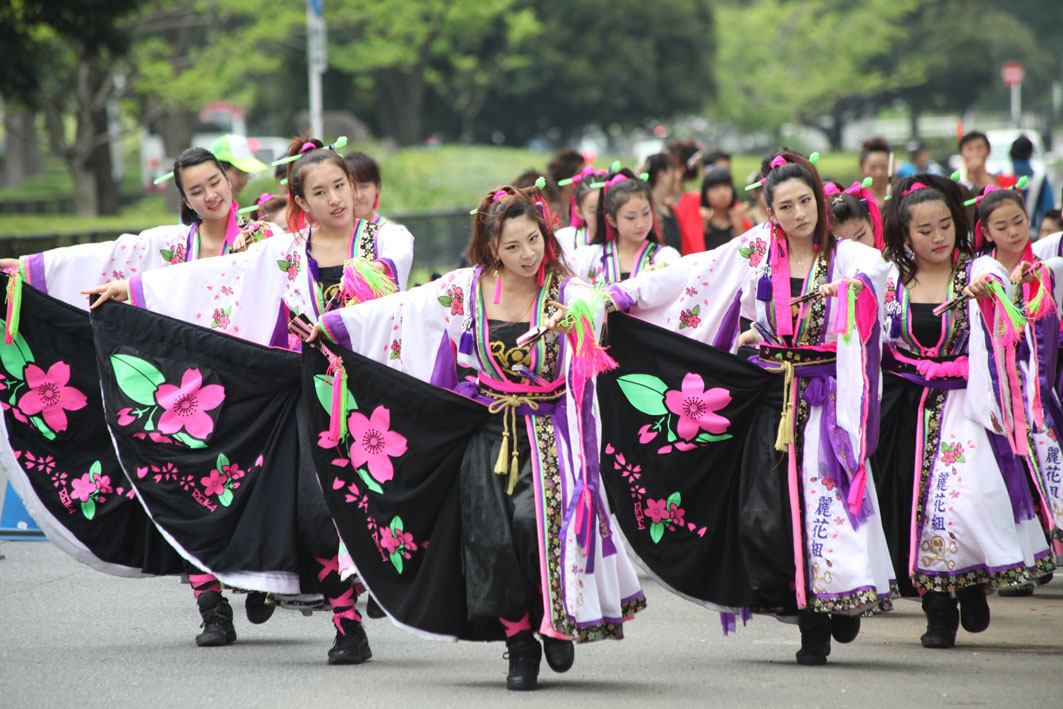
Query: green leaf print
(674, 499)
(225, 497)
(15, 356)
(137, 378)
(656, 531)
(396, 559)
(645, 392)
(369, 482)
(188, 440)
(88, 508)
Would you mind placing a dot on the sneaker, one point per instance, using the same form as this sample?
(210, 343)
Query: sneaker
(815, 638)
(257, 609)
(942, 620)
(524, 654)
(844, 628)
(560, 654)
(974, 609)
(351, 646)
(217, 623)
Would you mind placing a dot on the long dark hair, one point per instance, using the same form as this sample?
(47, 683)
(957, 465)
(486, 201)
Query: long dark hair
(899, 216)
(312, 155)
(986, 206)
(190, 158)
(499, 206)
(798, 168)
(615, 197)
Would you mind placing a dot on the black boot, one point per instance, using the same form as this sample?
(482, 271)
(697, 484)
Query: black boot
(942, 619)
(560, 654)
(524, 654)
(257, 609)
(351, 646)
(844, 628)
(217, 620)
(974, 609)
(815, 638)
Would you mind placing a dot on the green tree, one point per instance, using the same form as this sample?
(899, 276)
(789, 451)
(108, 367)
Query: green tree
(815, 62)
(63, 56)
(605, 62)
(951, 61)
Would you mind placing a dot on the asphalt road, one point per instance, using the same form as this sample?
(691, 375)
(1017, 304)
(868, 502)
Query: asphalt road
(70, 636)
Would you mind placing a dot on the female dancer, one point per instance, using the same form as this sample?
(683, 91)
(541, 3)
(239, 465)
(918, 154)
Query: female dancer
(210, 227)
(1003, 229)
(583, 211)
(526, 474)
(253, 295)
(625, 239)
(366, 174)
(954, 494)
(854, 214)
(826, 348)
(211, 213)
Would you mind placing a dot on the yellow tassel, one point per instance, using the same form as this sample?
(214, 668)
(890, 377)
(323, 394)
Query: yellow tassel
(786, 429)
(503, 453)
(786, 423)
(514, 471)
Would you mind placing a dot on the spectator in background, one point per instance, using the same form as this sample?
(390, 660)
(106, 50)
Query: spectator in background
(919, 161)
(874, 163)
(974, 148)
(687, 154)
(723, 216)
(1037, 193)
(236, 159)
(665, 183)
(1051, 222)
(566, 163)
(717, 158)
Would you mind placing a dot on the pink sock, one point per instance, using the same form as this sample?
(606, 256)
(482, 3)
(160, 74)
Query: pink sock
(512, 627)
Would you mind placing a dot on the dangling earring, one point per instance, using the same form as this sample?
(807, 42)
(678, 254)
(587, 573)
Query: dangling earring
(498, 287)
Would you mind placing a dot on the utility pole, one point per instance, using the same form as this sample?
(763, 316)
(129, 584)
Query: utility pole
(316, 62)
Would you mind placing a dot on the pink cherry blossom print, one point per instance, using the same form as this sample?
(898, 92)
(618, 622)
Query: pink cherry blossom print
(49, 395)
(124, 419)
(389, 541)
(374, 444)
(83, 488)
(657, 510)
(214, 484)
(187, 406)
(696, 408)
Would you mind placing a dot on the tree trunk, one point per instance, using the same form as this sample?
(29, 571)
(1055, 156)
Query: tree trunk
(402, 96)
(79, 155)
(176, 127)
(107, 189)
(913, 118)
(22, 151)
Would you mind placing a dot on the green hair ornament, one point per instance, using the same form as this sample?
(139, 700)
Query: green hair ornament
(307, 147)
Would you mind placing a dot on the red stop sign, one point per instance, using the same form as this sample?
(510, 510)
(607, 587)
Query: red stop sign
(1012, 73)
